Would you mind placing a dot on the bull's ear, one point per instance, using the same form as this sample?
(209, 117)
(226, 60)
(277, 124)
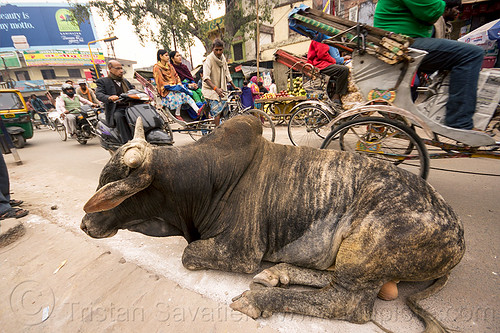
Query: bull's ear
(113, 194)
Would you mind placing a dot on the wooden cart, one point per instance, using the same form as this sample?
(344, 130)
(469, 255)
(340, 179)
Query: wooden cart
(279, 107)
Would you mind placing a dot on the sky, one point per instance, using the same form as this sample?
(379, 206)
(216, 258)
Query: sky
(128, 46)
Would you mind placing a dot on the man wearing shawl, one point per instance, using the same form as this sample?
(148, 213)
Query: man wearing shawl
(216, 76)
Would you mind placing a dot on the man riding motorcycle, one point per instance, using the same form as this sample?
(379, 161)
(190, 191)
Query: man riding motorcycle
(68, 104)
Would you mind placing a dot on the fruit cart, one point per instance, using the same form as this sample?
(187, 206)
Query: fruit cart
(279, 106)
(305, 83)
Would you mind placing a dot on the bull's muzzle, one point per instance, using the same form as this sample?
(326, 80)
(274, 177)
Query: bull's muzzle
(94, 232)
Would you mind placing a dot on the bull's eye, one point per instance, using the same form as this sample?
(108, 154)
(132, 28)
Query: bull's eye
(133, 158)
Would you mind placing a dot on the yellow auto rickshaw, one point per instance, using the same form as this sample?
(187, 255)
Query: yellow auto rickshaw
(15, 116)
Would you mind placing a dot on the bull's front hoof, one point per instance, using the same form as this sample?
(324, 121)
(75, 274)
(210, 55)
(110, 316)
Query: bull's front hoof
(244, 304)
(267, 278)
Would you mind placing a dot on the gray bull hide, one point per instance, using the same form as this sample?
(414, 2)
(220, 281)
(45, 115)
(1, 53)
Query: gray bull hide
(340, 222)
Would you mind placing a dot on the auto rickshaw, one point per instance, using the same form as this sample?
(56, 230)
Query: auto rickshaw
(15, 116)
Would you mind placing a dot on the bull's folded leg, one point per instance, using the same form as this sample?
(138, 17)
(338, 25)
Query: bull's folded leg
(211, 254)
(285, 274)
(333, 302)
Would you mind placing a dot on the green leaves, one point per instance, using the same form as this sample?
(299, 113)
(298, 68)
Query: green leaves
(163, 21)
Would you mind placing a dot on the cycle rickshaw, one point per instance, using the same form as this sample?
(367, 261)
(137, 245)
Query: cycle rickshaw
(196, 128)
(389, 125)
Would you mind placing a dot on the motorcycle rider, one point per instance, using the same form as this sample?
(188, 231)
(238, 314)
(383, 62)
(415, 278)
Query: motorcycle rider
(68, 104)
(108, 91)
(84, 91)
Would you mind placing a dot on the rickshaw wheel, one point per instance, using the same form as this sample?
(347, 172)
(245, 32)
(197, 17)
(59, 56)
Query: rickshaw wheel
(199, 130)
(18, 140)
(382, 139)
(268, 128)
(61, 130)
(307, 126)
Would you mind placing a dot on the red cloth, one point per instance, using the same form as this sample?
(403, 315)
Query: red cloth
(319, 55)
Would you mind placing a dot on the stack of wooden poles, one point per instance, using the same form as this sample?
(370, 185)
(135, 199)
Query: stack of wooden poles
(387, 46)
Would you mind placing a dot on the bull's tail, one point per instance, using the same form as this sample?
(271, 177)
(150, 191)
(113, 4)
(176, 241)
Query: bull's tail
(432, 325)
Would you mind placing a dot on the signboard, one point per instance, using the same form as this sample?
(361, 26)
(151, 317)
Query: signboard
(61, 58)
(215, 24)
(31, 85)
(9, 60)
(42, 26)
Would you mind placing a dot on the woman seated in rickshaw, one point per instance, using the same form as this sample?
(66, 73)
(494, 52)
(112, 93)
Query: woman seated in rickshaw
(186, 77)
(170, 87)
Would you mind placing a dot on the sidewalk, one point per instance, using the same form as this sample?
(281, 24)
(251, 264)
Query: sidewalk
(56, 281)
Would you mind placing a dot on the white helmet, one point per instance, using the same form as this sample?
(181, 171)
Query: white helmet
(66, 86)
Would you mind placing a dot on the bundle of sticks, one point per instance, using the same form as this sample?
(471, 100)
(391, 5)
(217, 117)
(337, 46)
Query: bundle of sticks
(387, 46)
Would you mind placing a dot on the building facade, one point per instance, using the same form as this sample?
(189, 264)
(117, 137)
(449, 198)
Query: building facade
(40, 71)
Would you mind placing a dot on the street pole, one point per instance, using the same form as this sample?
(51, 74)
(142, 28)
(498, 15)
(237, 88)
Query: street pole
(257, 36)
(108, 39)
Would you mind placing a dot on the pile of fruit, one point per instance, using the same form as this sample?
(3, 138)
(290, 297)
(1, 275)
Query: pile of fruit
(282, 93)
(295, 87)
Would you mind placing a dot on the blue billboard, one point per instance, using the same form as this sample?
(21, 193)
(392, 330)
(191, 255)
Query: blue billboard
(42, 27)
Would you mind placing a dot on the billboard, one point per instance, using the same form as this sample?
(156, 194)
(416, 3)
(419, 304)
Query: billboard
(42, 27)
(29, 86)
(62, 58)
(9, 60)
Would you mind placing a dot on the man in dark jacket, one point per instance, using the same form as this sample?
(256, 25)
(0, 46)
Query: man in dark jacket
(108, 91)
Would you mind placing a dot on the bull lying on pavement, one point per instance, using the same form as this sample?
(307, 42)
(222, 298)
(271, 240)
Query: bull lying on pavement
(337, 221)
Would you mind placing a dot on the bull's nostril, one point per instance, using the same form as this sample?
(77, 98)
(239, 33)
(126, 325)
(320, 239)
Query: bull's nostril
(83, 227)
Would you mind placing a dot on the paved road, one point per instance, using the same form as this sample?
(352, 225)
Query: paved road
(65, 174)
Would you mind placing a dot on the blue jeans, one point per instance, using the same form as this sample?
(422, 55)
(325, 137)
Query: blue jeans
(464, 61)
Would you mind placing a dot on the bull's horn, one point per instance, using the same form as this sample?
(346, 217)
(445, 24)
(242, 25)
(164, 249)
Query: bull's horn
(139, 130)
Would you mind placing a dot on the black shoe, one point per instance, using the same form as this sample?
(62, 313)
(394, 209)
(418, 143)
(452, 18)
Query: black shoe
(14, 212)
(14, 203)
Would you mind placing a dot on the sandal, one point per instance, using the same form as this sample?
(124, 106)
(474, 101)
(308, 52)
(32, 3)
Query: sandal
(14, 212)
(14, 203)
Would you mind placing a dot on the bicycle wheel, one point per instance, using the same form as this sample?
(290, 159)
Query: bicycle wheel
(268, 129)
(61, 130)
(307, 126)
(383, 139)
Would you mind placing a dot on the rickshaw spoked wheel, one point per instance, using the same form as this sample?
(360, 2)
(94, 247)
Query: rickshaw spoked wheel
(383, 139)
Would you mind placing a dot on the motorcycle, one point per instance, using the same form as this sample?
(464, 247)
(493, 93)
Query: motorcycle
(86, 123)
(156, 129)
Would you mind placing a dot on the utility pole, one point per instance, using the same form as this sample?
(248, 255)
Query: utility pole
(257, 37)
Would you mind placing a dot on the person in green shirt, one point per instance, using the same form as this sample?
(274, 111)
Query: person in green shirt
(415, 18)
